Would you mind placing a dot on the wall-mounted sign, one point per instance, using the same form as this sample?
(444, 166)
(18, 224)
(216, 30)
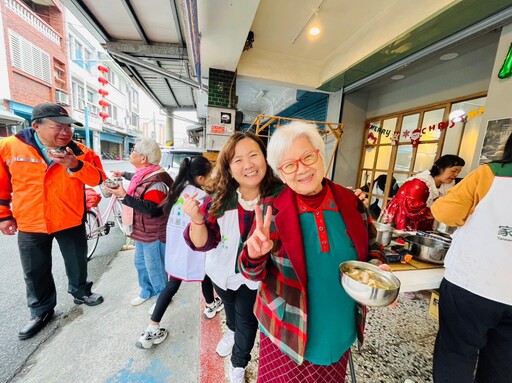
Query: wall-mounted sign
(496, 136)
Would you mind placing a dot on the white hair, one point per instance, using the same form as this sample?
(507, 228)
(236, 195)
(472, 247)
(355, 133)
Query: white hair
(148, 147)
(283, 139)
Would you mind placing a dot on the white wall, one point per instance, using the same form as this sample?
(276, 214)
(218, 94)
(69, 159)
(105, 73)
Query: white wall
(349, 151)
(499, 97)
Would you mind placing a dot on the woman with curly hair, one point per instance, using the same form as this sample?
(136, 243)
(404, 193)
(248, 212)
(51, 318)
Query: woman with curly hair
(220, 226)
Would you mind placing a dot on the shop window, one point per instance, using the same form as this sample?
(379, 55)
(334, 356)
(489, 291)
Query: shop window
(406, 143)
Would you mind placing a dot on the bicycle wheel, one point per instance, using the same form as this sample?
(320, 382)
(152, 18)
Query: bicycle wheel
(91, 229)
(118, 211)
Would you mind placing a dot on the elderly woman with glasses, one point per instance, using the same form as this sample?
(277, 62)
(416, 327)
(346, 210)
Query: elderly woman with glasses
(307, 321)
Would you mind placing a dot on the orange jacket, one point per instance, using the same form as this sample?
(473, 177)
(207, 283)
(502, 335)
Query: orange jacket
(45, 199)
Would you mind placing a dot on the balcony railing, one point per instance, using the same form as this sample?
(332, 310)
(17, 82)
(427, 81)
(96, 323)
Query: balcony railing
(30, 17)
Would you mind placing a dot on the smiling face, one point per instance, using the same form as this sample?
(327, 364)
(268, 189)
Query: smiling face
(248, 167)
(307, 180)
(52, 134)
(448, 174)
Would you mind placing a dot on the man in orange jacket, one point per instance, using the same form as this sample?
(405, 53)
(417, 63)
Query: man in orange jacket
(42, 177)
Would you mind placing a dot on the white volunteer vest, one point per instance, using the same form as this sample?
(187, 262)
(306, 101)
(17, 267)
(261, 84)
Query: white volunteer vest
(480, 256)
(180, 261)
(221, 261)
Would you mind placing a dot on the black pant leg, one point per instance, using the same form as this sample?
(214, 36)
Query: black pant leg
(464, 320)
(229, 299)
(36, 260)
(246, 326)
(165, 298)
(73, 246)
(207, 289)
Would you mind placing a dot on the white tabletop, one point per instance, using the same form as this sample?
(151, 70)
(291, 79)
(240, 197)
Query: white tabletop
(416, 280)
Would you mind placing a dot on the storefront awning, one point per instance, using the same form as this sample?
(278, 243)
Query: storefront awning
(8, 118)
(111, 138)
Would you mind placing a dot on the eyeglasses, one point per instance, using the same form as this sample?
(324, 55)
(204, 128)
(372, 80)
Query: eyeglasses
(133, 151)
(61, 128)
(307, 159)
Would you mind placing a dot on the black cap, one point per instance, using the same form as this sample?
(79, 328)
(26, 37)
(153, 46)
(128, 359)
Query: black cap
(53, 112)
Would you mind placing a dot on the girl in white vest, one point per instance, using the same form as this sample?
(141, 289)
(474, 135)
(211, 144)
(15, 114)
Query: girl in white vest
(181, 263)
(474, 342)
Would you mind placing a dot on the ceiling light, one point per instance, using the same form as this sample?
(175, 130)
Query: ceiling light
(397, 77)
(314, 31)
(449, 56)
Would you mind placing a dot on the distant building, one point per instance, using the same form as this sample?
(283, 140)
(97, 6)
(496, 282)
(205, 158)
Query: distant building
(34, 62)
(114, 136)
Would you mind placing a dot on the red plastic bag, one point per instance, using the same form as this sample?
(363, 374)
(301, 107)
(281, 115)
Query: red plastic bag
(92, 198)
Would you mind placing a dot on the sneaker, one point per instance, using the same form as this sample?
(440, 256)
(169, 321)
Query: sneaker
(148, 339)
(152, 308)
(226, 344)
(213, 308)
(236, 374)
(138, 301)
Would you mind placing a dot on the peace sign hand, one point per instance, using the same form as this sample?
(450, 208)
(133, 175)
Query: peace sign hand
(259, 243)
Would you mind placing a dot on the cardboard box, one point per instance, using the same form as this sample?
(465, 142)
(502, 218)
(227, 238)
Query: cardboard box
(433, 309)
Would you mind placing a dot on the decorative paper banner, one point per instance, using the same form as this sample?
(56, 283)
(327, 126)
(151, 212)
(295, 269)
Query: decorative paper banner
(415, 135)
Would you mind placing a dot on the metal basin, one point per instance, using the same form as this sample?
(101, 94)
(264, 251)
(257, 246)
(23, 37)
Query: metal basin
(444, 228)
(365, 294)
(427, 249)
(384, 233)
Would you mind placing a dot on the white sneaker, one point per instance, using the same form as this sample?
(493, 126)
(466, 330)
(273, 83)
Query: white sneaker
(213, 308)
(152, 308)
(138, 301)
(226, 344)
(236, 374)
(148, 339)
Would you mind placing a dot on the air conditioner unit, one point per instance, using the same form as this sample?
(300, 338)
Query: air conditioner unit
(61, 98)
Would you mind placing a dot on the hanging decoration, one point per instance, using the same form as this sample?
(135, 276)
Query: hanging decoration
(375, 129)
(372, 138)
(103, 92)
(506, 69)
(395, 137)
(415, 137)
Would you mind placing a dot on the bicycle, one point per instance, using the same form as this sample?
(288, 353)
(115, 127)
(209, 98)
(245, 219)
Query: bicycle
(98, 224)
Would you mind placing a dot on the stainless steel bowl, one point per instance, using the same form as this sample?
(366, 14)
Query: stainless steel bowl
(364, 294)
(444, 228)
(427, 249)
(384, 233)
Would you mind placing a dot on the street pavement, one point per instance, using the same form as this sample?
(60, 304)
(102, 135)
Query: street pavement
(97, 344)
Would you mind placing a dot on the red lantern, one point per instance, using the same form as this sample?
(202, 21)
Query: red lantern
(103, 92)
(104, 104)
(104, 115)
(102, 80)
(102, 69)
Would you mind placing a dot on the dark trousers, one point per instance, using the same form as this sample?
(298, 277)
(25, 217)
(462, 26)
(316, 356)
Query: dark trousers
(36, 261)
(239, 306)
(170, 290)
(474, 342)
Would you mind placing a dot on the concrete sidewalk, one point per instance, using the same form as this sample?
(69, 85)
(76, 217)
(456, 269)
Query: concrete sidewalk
(97, 344)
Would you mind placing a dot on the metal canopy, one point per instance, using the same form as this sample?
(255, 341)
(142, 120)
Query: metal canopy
(149, 46)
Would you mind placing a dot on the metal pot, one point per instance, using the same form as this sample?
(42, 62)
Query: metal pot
(364, 294)
(444, 228)
(384, 233)
(427, 249)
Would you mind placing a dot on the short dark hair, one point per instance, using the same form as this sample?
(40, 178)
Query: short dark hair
(446, 161)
